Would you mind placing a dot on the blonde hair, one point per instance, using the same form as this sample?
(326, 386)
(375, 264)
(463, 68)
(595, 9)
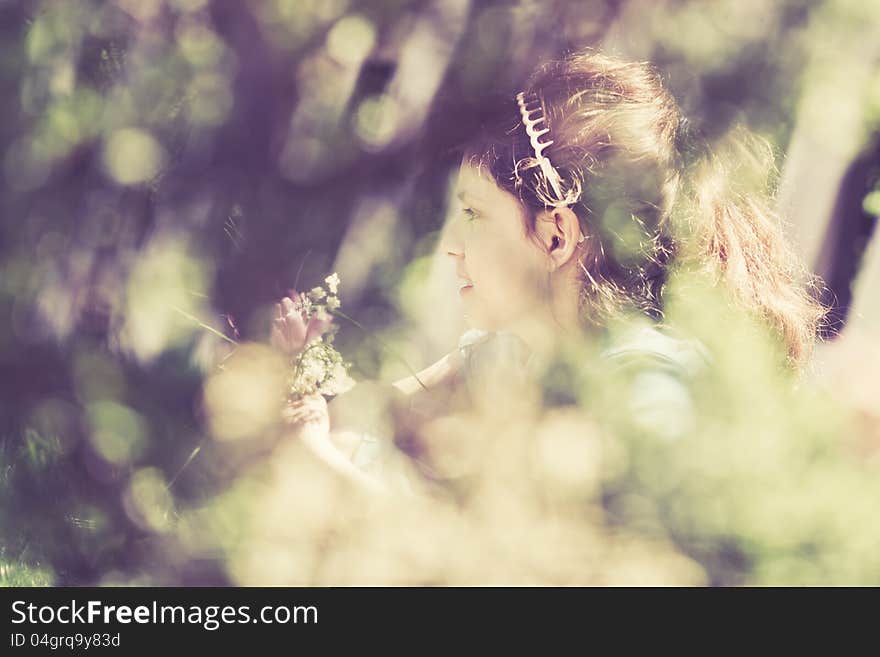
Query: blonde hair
(650, 191)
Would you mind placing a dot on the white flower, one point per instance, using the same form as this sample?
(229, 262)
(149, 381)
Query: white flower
(332, 282)
(316, 365)
(340, 381)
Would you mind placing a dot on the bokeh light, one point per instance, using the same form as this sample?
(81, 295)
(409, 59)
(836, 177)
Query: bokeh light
(173, 168)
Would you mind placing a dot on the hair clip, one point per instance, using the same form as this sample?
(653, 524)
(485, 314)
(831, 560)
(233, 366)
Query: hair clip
(532, 111)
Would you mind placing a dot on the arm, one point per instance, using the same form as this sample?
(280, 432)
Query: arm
(440, 373)
(307, 421)
(324, 431)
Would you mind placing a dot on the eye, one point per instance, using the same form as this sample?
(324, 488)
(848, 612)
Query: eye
(469, 214)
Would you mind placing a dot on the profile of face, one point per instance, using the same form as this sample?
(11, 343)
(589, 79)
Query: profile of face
(501, 272)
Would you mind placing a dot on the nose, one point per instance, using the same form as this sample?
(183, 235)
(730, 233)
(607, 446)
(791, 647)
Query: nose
(450, 240)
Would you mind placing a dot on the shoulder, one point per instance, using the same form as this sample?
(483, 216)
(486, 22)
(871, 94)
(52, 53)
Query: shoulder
(490, 358)
(657, 347)
(658, 369)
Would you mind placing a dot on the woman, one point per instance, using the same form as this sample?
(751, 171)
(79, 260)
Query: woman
(576, 202)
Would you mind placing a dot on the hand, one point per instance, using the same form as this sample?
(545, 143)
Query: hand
(309, 423)
(291, 331)
(307, 415)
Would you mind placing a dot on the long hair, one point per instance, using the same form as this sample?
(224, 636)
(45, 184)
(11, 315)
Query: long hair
(648, 192)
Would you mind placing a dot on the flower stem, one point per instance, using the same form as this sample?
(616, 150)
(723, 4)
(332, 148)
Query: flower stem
(381, 343)
(204, 326)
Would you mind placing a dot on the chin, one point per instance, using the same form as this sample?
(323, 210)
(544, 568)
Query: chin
(477, 321)
(483, 321)
(487, 316)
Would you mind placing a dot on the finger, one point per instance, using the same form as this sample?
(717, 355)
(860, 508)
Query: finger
(289, 308)
(286, 324)
(300, 416)
(278, 311)
(276, 337)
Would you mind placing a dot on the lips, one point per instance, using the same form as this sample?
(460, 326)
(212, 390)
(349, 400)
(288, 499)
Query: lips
(464, 281)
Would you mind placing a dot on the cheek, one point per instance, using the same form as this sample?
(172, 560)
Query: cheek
(506, 272)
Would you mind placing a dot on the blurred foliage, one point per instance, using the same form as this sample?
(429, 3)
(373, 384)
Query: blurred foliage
(170, 168)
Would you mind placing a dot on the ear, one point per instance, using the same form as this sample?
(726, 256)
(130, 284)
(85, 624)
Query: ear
(558, 232)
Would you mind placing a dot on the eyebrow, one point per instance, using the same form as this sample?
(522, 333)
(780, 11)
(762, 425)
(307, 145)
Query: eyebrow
(461, 194)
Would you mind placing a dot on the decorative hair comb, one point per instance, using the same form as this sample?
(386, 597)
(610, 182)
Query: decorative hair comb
(532, 111)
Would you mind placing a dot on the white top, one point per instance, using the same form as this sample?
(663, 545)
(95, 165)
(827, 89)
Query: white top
(659, 394)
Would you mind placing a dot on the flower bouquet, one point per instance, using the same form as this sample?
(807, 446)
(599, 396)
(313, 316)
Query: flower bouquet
(304, 331)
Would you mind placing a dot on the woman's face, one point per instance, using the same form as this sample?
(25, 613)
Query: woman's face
(500, 270)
